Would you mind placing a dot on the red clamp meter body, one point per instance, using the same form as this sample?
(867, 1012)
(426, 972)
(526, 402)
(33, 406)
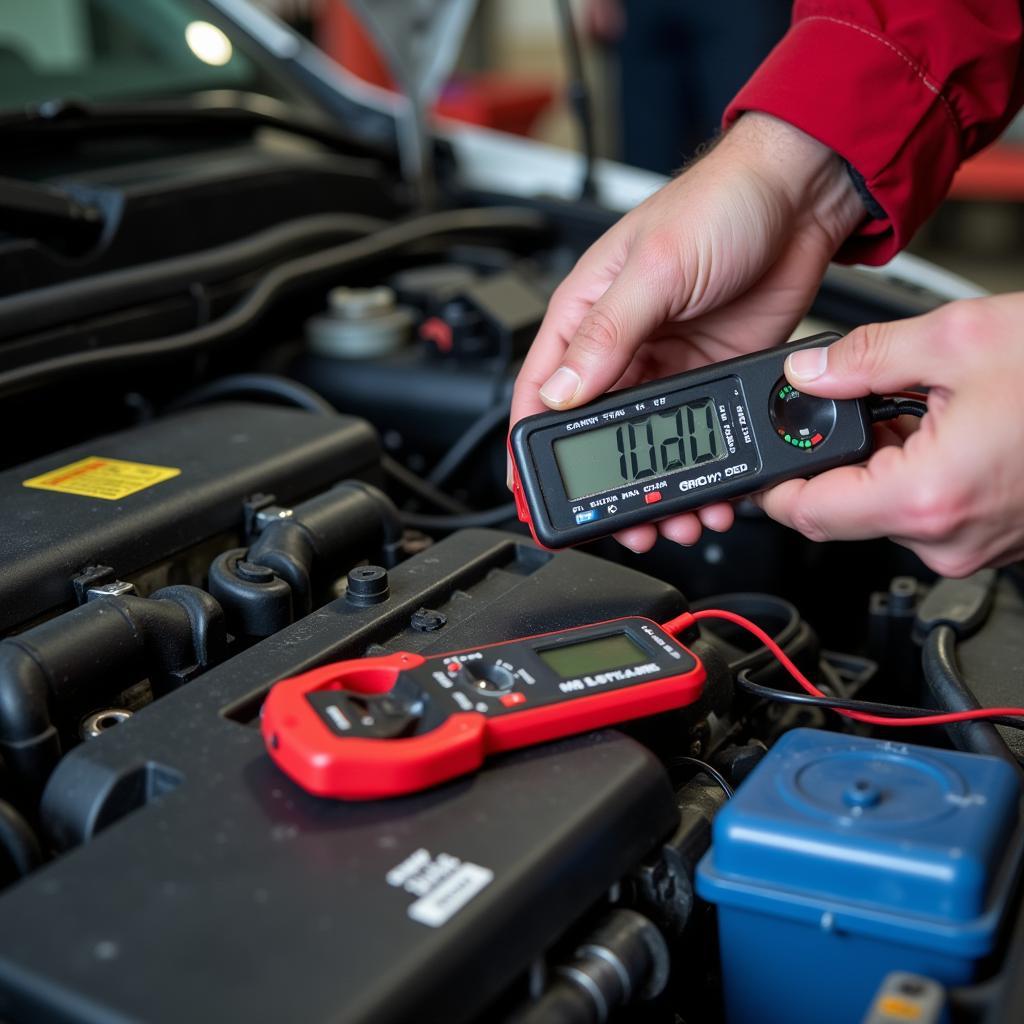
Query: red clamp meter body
(380, 727)
(673, 445)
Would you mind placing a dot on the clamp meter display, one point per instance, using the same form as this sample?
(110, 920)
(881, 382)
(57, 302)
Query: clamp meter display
(677, 444)
(379, 727)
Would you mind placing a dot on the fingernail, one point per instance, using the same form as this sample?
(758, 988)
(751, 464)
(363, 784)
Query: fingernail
(508, 474)
(561, 386)
(808, 365)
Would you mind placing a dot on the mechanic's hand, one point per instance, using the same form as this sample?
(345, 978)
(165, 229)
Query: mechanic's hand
(722, 261)
(953, 490)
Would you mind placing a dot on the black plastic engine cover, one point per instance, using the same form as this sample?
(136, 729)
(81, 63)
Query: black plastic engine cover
(224, 452)
(230, 894)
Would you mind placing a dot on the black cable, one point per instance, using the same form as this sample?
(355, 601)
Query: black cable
(744, 681)
(889, 408)
(260, 385)
(40, 308)
(316, 268)
(292, 392)
(833, 680)
(467, 444)
(714, 773)
(18, 841)
(579, 97)
(420, 487)
(489, 517)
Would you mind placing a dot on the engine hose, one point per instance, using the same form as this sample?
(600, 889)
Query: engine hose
(624, 960)
(273, 582)
(319, 268)
(950, 692)
(89, 654)
(42, 308)
(19, 843)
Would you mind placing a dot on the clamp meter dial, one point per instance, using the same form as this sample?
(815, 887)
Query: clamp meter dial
(677, 444)
(379, 727)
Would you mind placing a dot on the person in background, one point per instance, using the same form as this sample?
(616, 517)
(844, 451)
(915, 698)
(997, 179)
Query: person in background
(679, 63)
(839, 146)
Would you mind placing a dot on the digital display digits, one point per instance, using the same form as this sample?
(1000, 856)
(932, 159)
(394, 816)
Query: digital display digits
(649, 446)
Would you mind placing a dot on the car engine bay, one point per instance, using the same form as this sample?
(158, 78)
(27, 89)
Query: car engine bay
(255, 413)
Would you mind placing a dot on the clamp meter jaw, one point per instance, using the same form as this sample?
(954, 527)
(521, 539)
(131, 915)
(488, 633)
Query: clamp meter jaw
(380, 727)
(677, 444)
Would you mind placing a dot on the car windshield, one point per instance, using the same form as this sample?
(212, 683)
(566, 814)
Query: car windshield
(118, 50)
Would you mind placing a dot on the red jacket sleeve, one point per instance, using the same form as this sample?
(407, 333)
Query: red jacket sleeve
(904, 90)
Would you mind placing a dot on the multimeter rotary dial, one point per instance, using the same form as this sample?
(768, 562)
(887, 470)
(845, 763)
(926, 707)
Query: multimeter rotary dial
(803, 421)
(486, 677)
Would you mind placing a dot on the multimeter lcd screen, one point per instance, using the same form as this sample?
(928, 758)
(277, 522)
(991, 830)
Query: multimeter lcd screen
(649, 446)
(590, 656)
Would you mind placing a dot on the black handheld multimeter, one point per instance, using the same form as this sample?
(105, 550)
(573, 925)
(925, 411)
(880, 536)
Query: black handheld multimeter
(677, 444)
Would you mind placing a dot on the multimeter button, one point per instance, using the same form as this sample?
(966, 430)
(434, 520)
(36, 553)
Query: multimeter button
(487, 678)
(586, 517)
(800, 420)
(651, 497)
(510, 700)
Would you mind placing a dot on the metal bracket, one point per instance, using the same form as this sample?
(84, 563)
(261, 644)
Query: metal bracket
(421, 41)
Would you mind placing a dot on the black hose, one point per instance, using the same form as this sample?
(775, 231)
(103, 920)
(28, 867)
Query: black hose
(316, 268)
(489, 517)
(260, 385)
(18, 841)
(164, 637)
(41, 308)
(420, 487)
(950, 691)
(475, 433)
(292, 392)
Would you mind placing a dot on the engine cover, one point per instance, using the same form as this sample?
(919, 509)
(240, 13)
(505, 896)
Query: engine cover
(144, 497)
(231, 894)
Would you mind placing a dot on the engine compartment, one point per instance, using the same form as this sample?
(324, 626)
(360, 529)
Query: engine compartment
(232, 413)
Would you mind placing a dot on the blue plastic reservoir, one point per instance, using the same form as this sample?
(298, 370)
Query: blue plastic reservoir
(841, 859)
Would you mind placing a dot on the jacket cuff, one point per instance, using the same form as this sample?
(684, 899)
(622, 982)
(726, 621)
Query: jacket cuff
(859, 94)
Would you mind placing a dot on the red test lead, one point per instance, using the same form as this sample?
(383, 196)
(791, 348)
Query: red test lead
(689, 619)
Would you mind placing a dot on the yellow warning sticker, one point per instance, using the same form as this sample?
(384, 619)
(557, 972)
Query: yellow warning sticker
(901, 1009)
(96, 477)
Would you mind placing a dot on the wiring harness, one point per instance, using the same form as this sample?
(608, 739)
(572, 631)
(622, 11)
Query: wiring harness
(860, 711)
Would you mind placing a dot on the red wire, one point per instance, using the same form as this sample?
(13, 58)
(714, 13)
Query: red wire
(688, 619)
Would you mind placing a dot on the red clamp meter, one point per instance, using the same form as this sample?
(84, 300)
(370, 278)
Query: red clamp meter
(379, 727)
(674, 445)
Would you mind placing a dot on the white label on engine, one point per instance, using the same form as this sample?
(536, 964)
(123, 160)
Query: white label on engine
(443, 884)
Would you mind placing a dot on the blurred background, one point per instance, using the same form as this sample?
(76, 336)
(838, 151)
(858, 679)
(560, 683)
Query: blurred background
(660, 73)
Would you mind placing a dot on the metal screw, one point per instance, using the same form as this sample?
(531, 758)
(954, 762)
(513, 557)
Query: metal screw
(100, 721)
(116, 589)
(273, 514)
